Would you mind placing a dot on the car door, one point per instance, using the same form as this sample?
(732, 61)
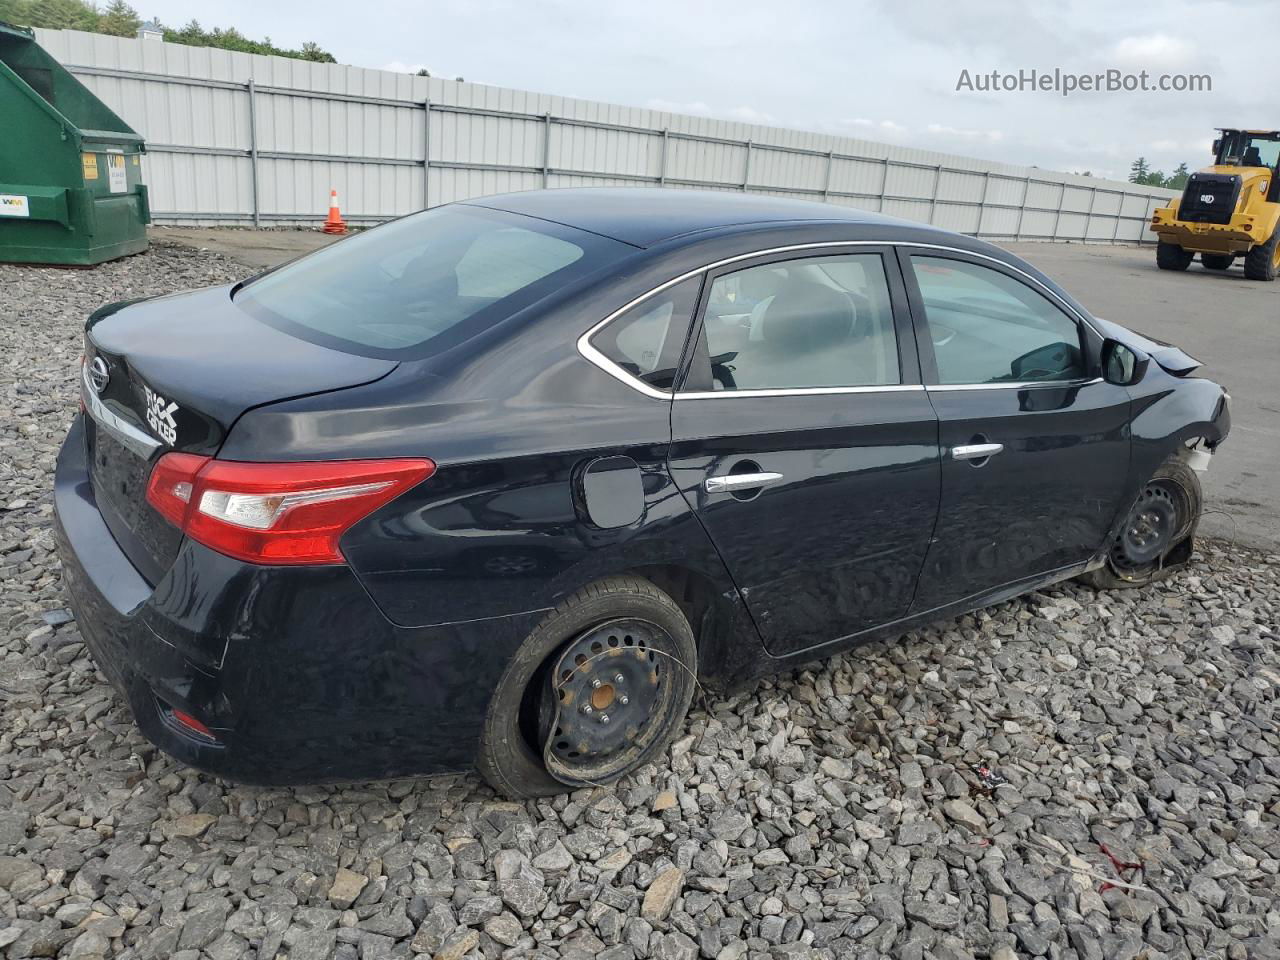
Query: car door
(804, 441)
(1035, 445)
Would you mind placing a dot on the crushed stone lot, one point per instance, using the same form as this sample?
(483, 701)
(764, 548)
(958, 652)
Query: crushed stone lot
(841, 812)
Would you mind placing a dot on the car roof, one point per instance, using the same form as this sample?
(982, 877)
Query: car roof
(644, 216)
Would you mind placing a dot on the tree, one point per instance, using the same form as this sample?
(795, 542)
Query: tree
(61, 15)
(423, 72)
(1139, 171)
(121, 20)
(312, 51)
(1178, 180)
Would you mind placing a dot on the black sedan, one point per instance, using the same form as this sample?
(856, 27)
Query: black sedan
(496, 483)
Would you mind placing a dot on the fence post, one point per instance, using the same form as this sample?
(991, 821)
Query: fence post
(662, 162)
(826, 183)
(933, 201)
(1115, 234)
(1057, 216)
(982, 201)
(1022, 208)
(884, 182)
(1088, 219)
(253, 151)
(746, 169)
(547, 149)
(426, 154)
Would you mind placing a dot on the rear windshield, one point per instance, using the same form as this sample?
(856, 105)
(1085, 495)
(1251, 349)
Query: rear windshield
(424, 283)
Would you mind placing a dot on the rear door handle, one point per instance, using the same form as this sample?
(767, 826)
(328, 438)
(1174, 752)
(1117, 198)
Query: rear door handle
(740, 481)
(976, 451)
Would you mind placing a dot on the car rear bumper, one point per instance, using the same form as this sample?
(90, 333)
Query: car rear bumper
(295, 671)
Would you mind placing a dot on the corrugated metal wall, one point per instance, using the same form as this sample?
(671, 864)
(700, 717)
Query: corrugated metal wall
(238, 138)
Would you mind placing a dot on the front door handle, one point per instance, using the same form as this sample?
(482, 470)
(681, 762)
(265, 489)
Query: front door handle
(976, 451)
(733, 482)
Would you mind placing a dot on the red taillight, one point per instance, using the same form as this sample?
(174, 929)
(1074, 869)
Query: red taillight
(277, 513)
(188, 722)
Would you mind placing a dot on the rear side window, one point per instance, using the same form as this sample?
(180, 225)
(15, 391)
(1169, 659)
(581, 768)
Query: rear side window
(987, 327)
(801, 324)
(647, 340)
(424, 283)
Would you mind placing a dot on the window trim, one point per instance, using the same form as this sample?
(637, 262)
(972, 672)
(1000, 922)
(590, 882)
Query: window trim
(595, 357)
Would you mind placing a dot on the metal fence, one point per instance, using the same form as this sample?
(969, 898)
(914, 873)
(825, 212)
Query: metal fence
(243, 139)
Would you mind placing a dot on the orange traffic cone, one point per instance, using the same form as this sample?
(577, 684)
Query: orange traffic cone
(334, 222)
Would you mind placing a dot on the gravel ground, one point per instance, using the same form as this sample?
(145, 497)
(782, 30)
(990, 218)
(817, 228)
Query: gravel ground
(834, 812)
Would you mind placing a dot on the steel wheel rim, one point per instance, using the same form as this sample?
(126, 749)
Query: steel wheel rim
(608, 697)
(1157, 521)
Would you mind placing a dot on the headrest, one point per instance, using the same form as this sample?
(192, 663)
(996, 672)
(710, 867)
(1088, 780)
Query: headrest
(805, 315)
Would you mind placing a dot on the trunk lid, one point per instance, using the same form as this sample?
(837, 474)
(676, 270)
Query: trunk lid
(175, 373)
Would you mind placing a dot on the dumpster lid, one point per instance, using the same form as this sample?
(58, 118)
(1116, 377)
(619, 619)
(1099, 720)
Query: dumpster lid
(25, 33)
(33, 72)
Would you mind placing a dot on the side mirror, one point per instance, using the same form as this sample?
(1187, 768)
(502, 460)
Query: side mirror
(1122, 365)
(1217, 145)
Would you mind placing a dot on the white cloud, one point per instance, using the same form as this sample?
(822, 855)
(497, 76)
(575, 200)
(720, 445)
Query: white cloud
(697, 107)
(942, 130)
(1158, 50)
(751, 115)
(399, 66)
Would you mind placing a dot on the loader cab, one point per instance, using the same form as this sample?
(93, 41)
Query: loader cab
(1250, 149)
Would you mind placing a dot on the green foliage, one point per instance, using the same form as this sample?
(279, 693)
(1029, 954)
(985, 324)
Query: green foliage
(232, 39)
(121, 20)
(54, 14)
(1141, 172)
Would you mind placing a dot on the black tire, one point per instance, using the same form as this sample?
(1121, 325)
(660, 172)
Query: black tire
(1170, 256)
(1217, 261)
(1175, 477)
(1260, 262)
(506, 758)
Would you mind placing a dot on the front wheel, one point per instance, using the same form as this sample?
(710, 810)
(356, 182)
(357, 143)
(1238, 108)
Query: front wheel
(599, 689)
(1161, 522)
(1262, 262)
(1170, 256)
(1217, 261)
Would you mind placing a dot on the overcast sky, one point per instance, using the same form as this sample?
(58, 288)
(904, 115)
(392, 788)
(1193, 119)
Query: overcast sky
(878, 69)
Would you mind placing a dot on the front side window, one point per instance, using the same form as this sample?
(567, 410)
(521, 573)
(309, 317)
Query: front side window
(987, 327)
(646, 341)
(802, 324)
(422, 284)
(1240, 149)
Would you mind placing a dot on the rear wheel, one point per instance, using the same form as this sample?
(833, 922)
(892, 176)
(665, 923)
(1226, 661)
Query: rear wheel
(599, 689)
(1262, 262)
(1162, 520)
(1217, 261)
(1170, 256)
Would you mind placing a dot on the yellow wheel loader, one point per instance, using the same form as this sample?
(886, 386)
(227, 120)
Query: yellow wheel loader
(1229, 210)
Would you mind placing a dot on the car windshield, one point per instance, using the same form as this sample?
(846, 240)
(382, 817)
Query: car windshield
(1249, 150)
(422, 284)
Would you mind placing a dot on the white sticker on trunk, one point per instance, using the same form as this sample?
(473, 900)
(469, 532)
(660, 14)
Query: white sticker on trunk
(160, 416)
(13, 205)
(117, 181)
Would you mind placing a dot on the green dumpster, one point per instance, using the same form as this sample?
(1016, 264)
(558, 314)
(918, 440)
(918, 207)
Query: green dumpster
(71, 189)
